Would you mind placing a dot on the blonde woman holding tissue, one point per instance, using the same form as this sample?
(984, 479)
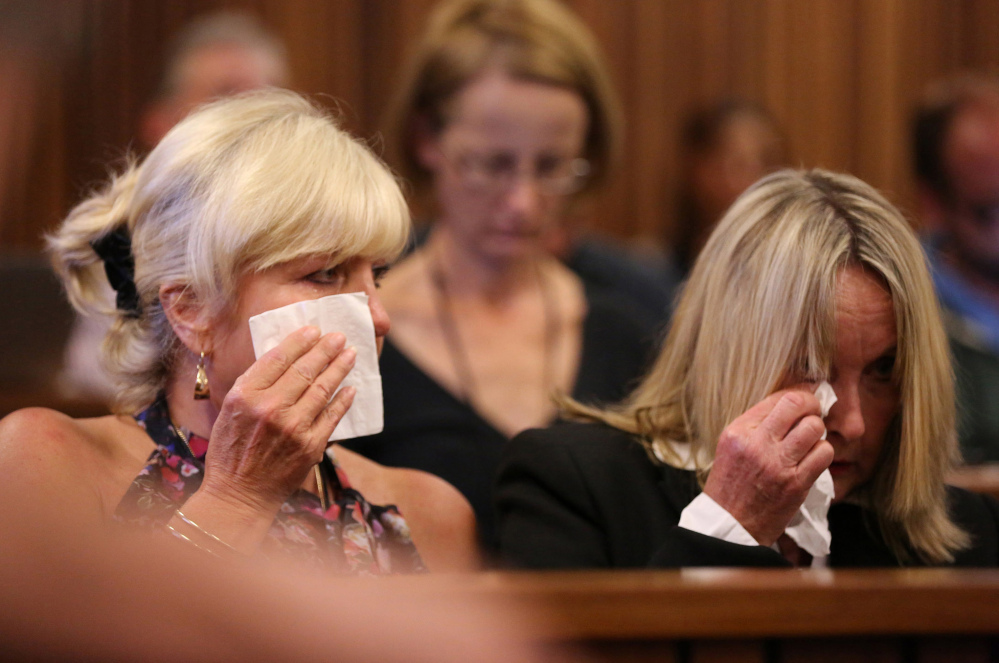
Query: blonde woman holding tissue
(249, 205)
(812, 283)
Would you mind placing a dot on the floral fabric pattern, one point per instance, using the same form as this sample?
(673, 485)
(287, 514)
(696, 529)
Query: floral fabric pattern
(351, 537)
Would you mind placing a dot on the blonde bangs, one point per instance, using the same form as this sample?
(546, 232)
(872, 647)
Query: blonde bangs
(296, 187)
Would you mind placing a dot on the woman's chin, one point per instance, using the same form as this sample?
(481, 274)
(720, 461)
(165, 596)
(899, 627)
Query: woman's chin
(843, 480)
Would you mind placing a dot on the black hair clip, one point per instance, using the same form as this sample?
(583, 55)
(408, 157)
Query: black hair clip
(115, 249)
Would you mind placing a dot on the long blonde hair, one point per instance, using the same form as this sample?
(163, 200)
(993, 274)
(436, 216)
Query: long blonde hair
(238, 186)
(760, 306)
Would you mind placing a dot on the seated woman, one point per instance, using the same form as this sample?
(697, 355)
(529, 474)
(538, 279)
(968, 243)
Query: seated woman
(506, 115)
(720, 456)
(246, 206)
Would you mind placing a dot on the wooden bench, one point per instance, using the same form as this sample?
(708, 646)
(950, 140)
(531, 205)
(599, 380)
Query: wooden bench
(772, 616)
(977, 478)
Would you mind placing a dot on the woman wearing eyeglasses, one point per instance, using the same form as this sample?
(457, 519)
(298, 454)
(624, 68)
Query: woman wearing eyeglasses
(505, 118)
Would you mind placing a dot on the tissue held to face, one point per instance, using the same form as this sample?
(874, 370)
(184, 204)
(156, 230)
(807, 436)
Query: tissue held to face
(299, 280)
(768, 458)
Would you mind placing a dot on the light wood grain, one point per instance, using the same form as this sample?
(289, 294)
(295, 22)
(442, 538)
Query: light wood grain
(840, 75)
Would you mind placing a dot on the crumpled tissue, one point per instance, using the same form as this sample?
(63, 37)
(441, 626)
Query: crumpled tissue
(810, 526)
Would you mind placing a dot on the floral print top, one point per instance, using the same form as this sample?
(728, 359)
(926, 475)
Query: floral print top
(351, 536)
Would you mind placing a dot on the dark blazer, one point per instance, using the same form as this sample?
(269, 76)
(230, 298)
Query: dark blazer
(589, 496)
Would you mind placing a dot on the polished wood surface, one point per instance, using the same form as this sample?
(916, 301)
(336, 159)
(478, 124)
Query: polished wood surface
(777, 616)
(977, 478)
(728, 603)
(840, 75)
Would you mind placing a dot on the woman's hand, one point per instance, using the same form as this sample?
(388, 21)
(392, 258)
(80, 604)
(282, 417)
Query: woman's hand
(276, 421)
(766, 461)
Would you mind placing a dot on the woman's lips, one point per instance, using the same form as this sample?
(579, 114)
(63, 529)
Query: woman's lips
(839, 467)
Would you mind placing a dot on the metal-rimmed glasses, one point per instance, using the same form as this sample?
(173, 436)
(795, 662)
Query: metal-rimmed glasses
(498, 172)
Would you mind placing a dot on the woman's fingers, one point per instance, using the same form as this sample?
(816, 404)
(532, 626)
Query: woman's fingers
(320, 393)
(818, 458)
(273, 365)
(331, 415)
(800, 439)
(791, 407)
(303, 373)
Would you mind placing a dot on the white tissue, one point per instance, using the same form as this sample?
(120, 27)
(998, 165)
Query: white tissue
(348, 314)
(824, 392)
(810, 526)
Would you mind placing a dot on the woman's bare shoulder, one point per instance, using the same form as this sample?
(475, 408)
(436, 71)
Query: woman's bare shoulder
(37, 429)
(440, 518)
(567, 288)
(49, 448)
(45, 430)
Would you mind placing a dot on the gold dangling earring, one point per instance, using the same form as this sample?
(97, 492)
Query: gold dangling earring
(201, 390)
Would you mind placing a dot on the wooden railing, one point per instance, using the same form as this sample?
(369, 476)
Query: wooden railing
(977, 478)
(751, 615)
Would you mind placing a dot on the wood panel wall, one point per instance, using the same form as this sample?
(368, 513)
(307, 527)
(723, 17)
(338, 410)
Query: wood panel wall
(840, 75)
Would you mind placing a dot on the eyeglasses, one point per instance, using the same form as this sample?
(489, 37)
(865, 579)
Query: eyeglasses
(497, 173)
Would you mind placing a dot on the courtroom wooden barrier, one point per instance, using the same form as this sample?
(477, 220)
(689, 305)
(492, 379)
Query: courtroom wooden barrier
(977, 478)
(773, 616)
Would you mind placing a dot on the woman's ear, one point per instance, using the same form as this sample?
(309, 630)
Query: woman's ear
(187, 316)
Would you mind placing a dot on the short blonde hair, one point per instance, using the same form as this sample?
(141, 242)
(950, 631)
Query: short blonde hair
(534, 40)
(241, 185)
(769, 271)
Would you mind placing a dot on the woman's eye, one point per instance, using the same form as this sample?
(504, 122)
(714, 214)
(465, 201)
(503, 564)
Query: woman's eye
(884, 367)
(550, 166)
(325, 276)
(499, 165)
(379, 273)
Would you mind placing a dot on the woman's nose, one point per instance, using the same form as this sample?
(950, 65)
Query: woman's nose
(846, 416)
(524, 196)
(378, 315)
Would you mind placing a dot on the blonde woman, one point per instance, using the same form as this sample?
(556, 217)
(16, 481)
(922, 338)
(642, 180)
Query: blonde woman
(809, 277)
(245, 206)
(505, 116)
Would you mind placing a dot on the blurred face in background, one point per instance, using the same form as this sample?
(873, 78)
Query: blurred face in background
(971, 155)
(210, 73)
(505, 163)
(745, 149)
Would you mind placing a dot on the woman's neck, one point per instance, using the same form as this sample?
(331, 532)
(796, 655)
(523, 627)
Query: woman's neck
(470, 275)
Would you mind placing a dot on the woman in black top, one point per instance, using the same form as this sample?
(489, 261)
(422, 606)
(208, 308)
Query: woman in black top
(505, 117)
(720, 457)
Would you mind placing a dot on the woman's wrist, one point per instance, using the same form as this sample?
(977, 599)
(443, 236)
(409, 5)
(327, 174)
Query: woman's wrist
(223, 522)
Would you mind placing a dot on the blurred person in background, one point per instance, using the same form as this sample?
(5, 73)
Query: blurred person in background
(956, 155)
(505, 115)
(214, 56)
(725, 147)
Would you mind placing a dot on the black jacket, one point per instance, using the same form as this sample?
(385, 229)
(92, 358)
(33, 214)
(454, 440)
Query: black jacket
(588, 496)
